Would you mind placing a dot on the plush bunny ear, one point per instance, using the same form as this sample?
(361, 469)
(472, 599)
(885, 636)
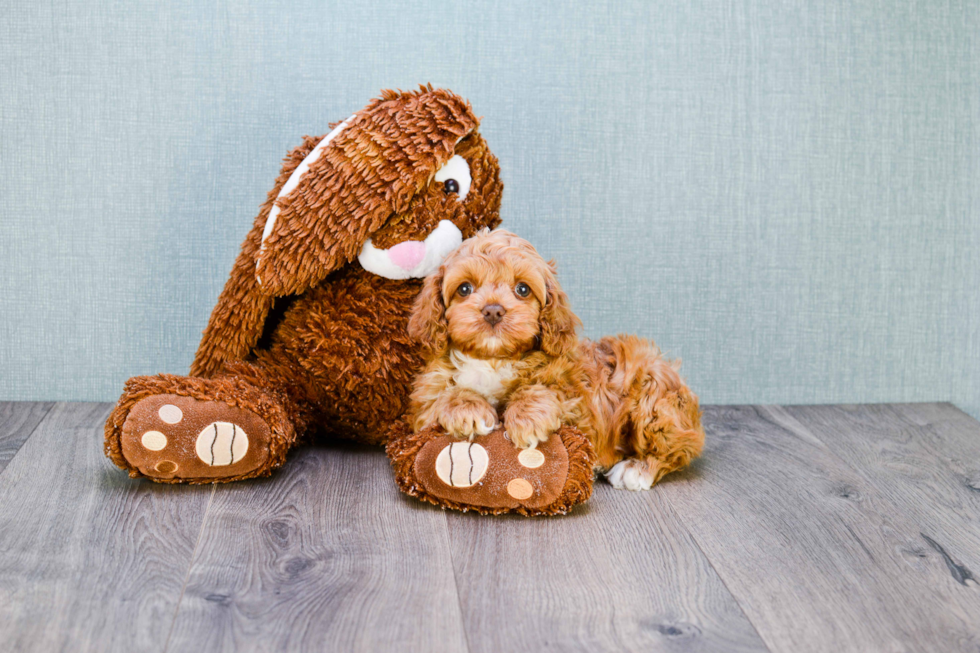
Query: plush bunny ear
(368, 168)
(558, 322)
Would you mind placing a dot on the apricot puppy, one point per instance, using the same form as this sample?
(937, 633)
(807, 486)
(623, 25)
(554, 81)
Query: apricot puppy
(502, 345)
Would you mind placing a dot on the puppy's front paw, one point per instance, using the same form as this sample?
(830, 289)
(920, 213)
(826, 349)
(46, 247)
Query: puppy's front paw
(469, 419)
(526, 433)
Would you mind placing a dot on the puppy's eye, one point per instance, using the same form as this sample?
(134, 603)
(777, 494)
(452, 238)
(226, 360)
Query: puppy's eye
(464, 289)
(451, 186)
(522, 289)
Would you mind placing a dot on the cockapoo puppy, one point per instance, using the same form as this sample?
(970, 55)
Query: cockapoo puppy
(502, 344)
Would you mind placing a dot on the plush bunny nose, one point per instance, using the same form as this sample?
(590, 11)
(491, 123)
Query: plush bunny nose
(493, 313)
(408, 254)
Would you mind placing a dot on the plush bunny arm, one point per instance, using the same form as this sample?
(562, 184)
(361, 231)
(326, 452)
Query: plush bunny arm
(238, 319)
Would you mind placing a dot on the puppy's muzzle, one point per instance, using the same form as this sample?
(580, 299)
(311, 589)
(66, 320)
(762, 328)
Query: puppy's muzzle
(494, 313)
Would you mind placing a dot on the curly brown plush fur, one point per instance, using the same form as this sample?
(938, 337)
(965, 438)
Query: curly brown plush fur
(302, 336)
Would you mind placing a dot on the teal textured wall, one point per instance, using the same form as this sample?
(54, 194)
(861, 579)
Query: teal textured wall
(786, 195)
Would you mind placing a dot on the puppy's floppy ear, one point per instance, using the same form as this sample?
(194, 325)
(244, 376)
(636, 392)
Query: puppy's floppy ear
(368, 168)
(558, 322)
(428, 323)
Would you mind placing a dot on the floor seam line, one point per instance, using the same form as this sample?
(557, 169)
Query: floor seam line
(31, 434)
(721, 578)
(459, 600)
(190, 566)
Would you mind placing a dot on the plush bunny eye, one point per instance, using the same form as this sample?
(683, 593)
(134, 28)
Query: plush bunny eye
(456, 173)
(522, 289)
(464, 289)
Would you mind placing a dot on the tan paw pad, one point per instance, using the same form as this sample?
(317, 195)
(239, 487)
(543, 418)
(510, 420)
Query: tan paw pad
(170, 414)
(520, 489)
(154, 440)
(531, 458)
(221, 443)
(462, 464)
(166, 467)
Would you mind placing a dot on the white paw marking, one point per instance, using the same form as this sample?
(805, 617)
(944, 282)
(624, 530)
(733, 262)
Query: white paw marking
(462, 464)
(170, 414)
(531, 458)
(154, 440)
(630, 474)
(520, 489)
(221, 443)
(484, 429)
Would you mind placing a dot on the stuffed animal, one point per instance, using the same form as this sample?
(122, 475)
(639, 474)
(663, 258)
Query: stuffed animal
(508, 380)
(310, 334)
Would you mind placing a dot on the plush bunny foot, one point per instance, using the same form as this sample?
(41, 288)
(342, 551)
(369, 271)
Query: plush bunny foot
(186, 430)
(488, 474)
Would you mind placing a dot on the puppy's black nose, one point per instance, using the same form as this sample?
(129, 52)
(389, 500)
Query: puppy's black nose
(493, 313)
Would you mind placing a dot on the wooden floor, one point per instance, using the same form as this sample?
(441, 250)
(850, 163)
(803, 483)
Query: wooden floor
(832, 528)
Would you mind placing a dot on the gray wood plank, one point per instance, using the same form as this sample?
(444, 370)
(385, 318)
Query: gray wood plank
(618, 574)
(90, 560)
(924, 457)
(326, 555)
(953, 434)
(18, 419)
(815, 555)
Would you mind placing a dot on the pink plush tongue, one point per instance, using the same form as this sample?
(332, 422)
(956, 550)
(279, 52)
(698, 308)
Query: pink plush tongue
(408, 254)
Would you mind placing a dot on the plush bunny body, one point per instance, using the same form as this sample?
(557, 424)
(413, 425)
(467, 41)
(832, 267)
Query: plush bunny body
(340, 358)
(309, 335)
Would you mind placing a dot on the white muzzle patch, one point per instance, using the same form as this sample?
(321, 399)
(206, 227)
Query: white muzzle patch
(412, 259)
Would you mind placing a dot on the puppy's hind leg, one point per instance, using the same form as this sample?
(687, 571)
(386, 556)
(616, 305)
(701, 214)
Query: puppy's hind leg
(630, 474)
(664, 430)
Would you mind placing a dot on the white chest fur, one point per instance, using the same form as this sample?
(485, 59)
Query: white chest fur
(490, 378)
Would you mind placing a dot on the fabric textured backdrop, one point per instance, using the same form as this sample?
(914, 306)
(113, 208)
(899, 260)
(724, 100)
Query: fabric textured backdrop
(786, 195)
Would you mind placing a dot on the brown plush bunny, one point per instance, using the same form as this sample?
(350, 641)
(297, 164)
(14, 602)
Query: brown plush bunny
(309, 334)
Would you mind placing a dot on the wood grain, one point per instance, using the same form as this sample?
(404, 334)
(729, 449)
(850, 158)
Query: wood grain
(843, 528)
(618, 574)
(90, 560)
(18, 419)
(817, 557)
(327, 555)
(924, 458)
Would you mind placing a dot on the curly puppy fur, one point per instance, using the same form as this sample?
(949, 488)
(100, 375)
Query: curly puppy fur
(502, 344)
(303, 335)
